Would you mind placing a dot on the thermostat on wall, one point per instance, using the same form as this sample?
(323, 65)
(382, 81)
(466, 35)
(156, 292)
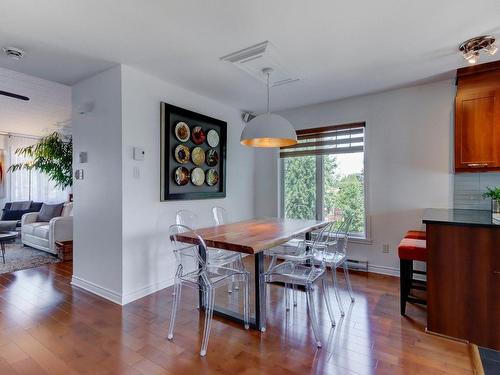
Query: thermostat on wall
(139, 153)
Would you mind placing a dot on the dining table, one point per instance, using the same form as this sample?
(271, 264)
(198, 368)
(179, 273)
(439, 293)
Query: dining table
(251, 237)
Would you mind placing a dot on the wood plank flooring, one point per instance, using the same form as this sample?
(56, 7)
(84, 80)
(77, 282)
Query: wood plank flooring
(49, 327)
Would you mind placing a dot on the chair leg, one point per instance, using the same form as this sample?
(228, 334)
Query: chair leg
(272, 263)
(312, 311)
(177, 298)
(326, 296)
(208, 321)
(336, 289)
(294, 295)
(3, 251)
(404, 283)
(245, 302)
(230, 285)
(287, 301)
(348, 281)
(263, 302)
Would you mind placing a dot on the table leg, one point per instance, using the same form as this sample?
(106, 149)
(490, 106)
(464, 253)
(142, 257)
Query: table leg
(201, 295)
(308, 237)
(255, 323)
(2, 245)
(259, 270)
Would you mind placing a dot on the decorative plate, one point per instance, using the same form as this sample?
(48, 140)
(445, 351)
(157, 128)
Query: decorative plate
(181, 176)
(198, 135)
(182, 131)
(197, 176)
(198, 156)
(212, 138)
(181, 154)
(212, 158)
(212, 177)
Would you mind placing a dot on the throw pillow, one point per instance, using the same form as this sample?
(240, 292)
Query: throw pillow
(13, 215)
(49, 211)
(19, 206)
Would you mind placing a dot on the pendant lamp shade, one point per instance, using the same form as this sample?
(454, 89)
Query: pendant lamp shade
(268, 129)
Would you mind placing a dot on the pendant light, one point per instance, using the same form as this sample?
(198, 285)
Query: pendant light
(268, 129)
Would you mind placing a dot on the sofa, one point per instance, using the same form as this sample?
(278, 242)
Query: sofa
(43, 235)
(14, 211)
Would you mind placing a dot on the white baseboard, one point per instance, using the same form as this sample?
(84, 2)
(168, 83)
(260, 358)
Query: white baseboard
(147, 290)
(155, 287)
(383, 270)
(116, 297)
(96, 289)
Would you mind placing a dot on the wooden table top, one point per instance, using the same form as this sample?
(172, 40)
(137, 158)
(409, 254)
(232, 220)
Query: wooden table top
(253, 236)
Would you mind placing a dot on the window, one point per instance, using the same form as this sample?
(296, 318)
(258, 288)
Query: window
(30, 185)
(322, 176)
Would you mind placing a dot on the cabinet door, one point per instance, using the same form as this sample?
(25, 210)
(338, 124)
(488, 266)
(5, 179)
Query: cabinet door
(477, 130)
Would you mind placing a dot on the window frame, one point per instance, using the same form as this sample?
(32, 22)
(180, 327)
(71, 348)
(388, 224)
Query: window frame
(319, 187)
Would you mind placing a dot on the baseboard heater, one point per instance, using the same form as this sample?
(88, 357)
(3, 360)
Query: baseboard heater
(357, 264)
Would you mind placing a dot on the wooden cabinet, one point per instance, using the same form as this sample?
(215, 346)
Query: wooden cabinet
(477, 119)
(463, 282)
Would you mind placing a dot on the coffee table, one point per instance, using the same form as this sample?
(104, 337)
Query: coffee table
(6, 236)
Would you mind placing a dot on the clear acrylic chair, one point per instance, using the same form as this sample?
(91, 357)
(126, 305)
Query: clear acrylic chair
(292, 211)
(214, 256)
(297, 272)
(335, 255)
(221, 217)
(193, 271)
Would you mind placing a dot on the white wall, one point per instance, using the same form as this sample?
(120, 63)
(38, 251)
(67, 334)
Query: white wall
(122, 251)
(97, 233)
(148, 263)
(408, 146)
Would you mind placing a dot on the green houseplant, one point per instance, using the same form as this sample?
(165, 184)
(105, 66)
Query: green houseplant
(494, 194)
(52, 155)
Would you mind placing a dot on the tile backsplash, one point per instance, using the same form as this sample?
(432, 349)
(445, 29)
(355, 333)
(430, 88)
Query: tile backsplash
(468, 188)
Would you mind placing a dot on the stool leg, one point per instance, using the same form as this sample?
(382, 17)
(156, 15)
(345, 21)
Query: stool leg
(404, 266)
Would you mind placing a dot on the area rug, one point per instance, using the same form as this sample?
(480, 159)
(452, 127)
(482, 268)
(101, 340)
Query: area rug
(18, 257)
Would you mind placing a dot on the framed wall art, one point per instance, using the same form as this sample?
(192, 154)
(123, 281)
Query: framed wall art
(193, 155)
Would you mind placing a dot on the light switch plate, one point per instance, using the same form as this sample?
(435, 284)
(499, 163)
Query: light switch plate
(82, 157)
(137, 173)
(139, 153)
(79, 174)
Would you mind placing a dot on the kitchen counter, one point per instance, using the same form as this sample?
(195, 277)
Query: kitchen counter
(460, 217)
(463, 275)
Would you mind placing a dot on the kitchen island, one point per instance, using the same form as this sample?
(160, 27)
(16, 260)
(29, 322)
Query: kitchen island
(463, 275)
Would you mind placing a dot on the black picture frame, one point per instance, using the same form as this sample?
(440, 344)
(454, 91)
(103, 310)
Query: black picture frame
(170, 116)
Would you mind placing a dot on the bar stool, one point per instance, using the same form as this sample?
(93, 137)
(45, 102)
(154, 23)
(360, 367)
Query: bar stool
(416, 234)
(410, 250)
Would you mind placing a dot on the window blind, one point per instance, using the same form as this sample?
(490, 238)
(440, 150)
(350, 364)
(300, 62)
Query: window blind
(336, 139)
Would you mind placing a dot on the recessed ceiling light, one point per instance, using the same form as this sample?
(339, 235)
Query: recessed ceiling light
(472, 47)
(14, 52)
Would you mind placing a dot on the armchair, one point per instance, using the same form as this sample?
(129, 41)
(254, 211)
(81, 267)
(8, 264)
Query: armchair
(43, 235)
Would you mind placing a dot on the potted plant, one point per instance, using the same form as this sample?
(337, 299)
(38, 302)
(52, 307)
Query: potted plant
(52, 155)
(494, 194)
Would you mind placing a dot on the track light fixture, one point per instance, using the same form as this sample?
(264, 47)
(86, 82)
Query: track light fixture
(472, 47)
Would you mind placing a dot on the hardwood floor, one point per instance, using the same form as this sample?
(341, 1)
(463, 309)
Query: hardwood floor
(49, 327)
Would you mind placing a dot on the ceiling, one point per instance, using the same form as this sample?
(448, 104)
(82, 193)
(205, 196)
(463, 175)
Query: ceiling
(48, 109)
(338, 48)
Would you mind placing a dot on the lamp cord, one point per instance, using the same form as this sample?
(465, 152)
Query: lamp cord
(268, 111)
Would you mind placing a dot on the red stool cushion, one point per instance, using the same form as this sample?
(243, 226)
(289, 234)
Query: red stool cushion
(416, 234)
(412, 249)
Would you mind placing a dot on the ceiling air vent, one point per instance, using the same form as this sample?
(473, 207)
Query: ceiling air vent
(255, 58)
(14, 53)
